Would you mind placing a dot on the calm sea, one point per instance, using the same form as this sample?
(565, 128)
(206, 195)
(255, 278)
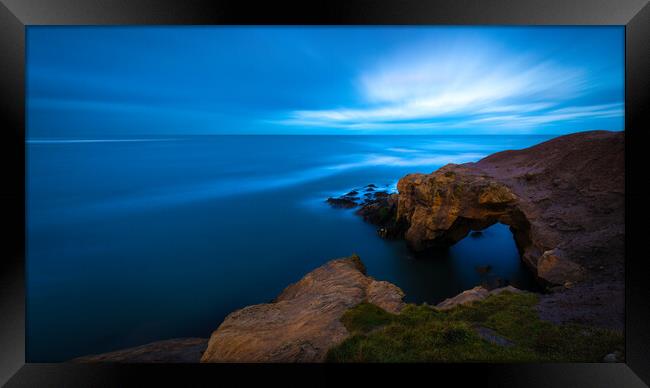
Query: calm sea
(135, 240)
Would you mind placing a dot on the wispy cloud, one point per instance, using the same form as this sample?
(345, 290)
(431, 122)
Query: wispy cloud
(475, 85)
(550, 116)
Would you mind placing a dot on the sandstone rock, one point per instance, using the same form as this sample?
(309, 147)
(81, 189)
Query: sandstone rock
(495, 194)
(473, 295)
(554, 269)
(497, 291)
(566, 195)
(385, 295)
(178, 350)
(303, 322)
(441, 208)
(465, 297)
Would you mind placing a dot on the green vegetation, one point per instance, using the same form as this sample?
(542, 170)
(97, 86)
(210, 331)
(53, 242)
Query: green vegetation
(423, 334)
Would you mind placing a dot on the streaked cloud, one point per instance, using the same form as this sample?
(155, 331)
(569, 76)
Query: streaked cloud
(476, 84)
(132, 81)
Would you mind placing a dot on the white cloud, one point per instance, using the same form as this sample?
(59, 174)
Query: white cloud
(562, 114)
(451, 88)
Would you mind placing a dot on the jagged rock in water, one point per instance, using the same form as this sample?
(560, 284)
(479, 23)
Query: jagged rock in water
(343, 202)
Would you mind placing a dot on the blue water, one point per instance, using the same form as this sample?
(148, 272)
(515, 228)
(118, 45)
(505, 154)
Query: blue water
(135, 240)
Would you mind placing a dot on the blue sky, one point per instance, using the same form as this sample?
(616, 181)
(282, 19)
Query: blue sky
(112, 82)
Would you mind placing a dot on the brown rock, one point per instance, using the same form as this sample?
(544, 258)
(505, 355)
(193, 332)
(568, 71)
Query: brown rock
(555, 269)
(473, 295)
(495, 194)
(178, 350)
(467, 296)
(441, 208)
(564, 195)
(303, 322)
(386, 295)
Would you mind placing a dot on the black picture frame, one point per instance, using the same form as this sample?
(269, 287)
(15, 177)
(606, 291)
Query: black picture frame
(16, 15)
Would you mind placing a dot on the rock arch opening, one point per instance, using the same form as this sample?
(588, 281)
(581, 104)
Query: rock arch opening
(515, 220)
(438, 210)
(461, 228)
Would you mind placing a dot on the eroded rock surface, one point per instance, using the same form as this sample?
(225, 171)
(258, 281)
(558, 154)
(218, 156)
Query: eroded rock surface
(563, 199)
(303, 321)
(177, 350)
(441, 208)
(564, 202)
(472, 295)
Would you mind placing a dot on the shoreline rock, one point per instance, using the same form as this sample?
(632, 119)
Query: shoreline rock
(563, 200)
(473, 295)
(303, 322)
(176, 350)
(343, 202)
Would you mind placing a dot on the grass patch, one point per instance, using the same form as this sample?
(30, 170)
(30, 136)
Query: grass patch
(423, 334)
(365, 317)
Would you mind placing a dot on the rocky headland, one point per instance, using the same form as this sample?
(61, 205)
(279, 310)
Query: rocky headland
(564, 202)
(303, 322)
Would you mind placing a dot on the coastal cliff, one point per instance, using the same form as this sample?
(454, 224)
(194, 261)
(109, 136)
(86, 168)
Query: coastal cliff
(303, 322)
(336, 313)
(564, 202)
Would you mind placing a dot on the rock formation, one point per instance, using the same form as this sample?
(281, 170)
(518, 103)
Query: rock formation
(303, 321)
(564, 202)
(369, 195)
(473, 295)
(178, 350)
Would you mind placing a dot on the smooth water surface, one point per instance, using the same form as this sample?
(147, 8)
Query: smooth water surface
(135, 240)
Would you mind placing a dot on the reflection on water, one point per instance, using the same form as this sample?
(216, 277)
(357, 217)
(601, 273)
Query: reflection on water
(135, 241)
